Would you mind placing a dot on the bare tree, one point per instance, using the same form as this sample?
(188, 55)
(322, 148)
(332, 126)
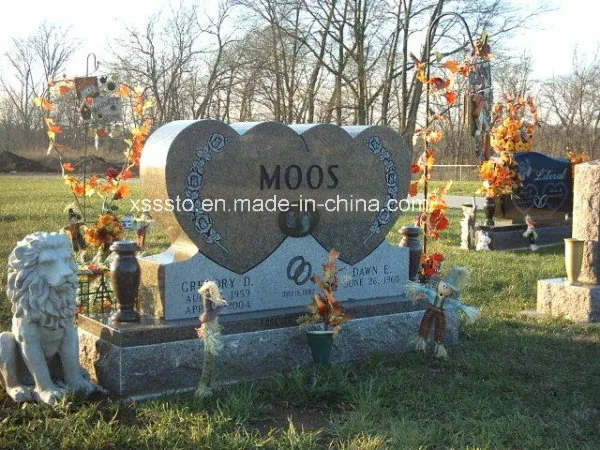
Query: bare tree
(512, 76)
(572, 105)
(159, 57)
(31, 62)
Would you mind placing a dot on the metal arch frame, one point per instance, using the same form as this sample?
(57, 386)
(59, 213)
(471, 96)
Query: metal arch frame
(430, 32)
(95, 66)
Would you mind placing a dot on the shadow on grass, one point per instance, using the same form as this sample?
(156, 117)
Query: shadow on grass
(507, 384)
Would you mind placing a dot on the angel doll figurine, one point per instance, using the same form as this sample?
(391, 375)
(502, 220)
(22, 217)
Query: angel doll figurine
(445, 296)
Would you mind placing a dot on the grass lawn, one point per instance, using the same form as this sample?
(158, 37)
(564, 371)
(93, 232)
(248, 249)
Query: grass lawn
(512, 382)
(466, 188)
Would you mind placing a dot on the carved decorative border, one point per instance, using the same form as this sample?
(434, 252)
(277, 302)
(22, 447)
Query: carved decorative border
(203, 222)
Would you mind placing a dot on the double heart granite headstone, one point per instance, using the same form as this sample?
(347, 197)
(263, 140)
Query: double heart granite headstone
(241, 166)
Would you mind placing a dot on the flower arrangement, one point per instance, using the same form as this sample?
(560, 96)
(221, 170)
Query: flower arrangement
(499, 176)
(324, 307)
(104, 232)
(514, 120)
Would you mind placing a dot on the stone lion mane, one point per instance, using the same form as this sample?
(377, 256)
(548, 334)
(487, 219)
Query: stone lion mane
(32, 298)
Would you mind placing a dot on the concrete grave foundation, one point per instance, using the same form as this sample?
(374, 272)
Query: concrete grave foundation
(510, 237)
(147, 359)
(578, 302)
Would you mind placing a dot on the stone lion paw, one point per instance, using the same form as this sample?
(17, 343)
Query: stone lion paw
(84, 385)
(51, 396)
(20, 394)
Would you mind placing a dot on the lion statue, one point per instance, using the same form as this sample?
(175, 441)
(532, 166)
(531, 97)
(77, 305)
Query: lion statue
(39, 359)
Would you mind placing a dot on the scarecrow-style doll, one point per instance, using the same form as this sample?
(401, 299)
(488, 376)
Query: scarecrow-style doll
(531, 234)
(445, 296)
(210, 333)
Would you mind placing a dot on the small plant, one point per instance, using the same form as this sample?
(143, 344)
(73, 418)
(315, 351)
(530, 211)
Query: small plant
(324, 307)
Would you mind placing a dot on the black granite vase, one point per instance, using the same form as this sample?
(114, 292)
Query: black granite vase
(411, 238)
(489, 208)
(125, 279)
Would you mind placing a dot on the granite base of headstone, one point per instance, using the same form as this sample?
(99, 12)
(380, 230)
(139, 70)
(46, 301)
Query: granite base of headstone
(156, 358)
(510, 236)
(261, 260)
(579, 301)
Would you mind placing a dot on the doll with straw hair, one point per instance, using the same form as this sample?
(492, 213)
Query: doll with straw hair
(210, 333)
(445, 296)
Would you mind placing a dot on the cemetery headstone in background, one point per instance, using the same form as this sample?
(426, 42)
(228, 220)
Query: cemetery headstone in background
(546, 195)
(547, 190)
(579, 301)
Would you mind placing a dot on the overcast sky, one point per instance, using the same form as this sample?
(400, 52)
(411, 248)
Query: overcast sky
(550, 40)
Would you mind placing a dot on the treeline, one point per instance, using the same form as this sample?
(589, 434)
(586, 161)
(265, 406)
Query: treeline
(300, 61)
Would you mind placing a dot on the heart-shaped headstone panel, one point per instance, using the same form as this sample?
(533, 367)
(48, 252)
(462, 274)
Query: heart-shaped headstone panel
(546, 185)
(230, 187)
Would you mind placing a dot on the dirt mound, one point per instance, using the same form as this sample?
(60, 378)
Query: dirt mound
(9, 162)
(96, 164)
(93, 164)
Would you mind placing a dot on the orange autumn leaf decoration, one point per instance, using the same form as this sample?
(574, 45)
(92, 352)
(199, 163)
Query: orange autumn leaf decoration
(433, 137)
(93, 182)
(426, 159)
(450, 97)
(324, 307)
(576, 158)
(54, 129)
(121, 192)
(123, 90)
(514, 122)
(451, 65)
(433, 219)
(437, 222)
(432, 264)
(43, 103)
(499, 176)
(413, 189)
(439, 83)
(104, 232)
(107, 188)
(126, 174)
(78, 190)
